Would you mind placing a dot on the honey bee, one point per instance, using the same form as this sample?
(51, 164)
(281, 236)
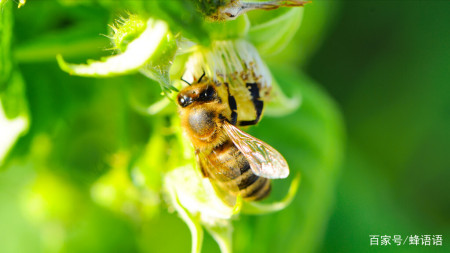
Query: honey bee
(235, 162)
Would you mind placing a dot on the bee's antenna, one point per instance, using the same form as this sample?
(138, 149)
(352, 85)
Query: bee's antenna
(185, 81)
(200, 79)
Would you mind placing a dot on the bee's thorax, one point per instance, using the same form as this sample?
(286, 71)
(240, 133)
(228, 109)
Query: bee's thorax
(201, 122)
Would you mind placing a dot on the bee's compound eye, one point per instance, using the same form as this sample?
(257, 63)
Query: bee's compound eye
(208, 94)
(183, 101)
(180, 100)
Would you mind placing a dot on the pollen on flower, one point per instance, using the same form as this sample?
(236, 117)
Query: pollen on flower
(230, 59)
(236, 64)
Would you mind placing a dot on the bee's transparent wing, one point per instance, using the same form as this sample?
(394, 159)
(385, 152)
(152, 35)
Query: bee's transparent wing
(264, 160)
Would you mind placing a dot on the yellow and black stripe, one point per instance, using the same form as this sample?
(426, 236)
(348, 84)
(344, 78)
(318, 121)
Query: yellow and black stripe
(233, 172)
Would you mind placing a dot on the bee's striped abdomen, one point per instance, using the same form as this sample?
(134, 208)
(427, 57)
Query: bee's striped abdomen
(236, 174)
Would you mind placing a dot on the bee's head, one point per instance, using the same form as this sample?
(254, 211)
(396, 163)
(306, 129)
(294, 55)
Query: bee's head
(197, 93)
(199, 109)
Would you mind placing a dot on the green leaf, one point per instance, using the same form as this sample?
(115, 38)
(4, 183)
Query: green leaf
(10, 130)
(14, 119)
(13, 98)
(182, 17)
(137, 54)
(317, 17)
(127, 29)
(272, 36)
(229, 30)
(6, 24)
(280, 104)
(158, 67)
(45, 49)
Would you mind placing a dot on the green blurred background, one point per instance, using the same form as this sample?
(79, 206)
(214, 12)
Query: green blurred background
(384, 63)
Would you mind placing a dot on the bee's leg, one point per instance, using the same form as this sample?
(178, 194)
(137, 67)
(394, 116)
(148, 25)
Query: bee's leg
(233, 106)
(204, 172)
(200, 164)
(257, 103)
